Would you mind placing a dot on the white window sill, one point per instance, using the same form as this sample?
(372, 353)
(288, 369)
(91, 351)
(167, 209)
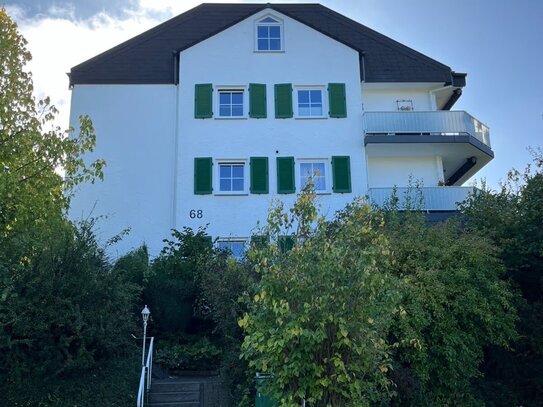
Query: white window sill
(231, 194)
(310, 117)
(231, 118)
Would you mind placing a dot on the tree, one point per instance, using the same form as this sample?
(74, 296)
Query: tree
(512, 218)
(322, 311)
(32, 149)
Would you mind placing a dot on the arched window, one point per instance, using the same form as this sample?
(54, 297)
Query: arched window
(269, 34)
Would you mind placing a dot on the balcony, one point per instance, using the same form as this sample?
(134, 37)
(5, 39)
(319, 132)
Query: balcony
(462, 142)
(437, 199)
(431, 123)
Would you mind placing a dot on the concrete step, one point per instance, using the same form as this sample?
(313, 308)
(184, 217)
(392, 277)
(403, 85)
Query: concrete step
(172, 385)
(170, 397)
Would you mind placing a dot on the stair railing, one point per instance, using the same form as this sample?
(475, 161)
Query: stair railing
(146, 375)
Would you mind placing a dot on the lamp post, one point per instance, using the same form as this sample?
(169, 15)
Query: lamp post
(145, 315)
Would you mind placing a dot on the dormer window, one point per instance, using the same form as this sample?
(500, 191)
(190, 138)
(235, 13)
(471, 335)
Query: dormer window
(269, 35)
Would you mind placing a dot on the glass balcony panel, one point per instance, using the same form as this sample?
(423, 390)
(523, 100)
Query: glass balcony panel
(429, 198)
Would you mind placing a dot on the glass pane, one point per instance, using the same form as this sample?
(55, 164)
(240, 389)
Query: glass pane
(225, 111)
(224, 98)
(305, 169)
(304, 111)
(223, 245)
(237, 110)
(237, 248)
(237, 184)
(263, 45)
(275, 32)
(318, 169)
(237, 171)
(275, 45)
(303, 96)
(320, 184)
(316, 111)
(225, 184)
(316, 96)
(237, 98)
(225, 171)
(262, 32)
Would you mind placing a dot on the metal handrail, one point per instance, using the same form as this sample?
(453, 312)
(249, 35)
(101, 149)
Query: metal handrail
(145, 376)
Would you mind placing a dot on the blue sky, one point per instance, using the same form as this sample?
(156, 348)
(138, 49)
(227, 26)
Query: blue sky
(499, 43)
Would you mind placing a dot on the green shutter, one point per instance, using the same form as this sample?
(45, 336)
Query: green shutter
(283, 101)
(257, 100)
(203, 101)
(286, 243)
(341, 168)
(202, 176)
(259, 175)
(260, 241)
(336, 99)
(285, 175)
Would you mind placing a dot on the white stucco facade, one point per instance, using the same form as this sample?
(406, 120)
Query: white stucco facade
(149, 136)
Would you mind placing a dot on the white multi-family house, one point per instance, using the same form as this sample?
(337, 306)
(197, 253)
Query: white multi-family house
(208, 117)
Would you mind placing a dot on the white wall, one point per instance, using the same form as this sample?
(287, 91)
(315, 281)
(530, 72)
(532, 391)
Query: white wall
(384, 99)
(396, 171)
(135, 135)
(228, 58)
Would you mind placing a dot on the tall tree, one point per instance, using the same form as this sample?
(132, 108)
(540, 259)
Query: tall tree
(33, 150)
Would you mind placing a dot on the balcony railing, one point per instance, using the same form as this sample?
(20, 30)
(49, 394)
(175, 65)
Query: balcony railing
(426, 198)
(439, 122)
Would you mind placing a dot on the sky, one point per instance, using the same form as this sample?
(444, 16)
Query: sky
(498, 43)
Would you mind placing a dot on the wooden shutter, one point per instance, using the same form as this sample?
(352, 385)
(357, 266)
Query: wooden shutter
(341, 169)
(203, 101)
(257, 100)
(336, 100)
(286, 243)
(283, 101)
(285, 175)
(203, 176)
(259, 175)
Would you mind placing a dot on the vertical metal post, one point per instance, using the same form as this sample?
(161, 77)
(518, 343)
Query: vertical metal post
(144, 337)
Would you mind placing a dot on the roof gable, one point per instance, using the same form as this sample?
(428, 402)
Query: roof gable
(151, 57)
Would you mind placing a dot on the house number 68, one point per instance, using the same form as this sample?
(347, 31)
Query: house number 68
(196, 213)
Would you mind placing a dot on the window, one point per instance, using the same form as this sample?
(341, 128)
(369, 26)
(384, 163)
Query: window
(268, 35)
(235, 247)
(232, 177)
(310, 103)
(317, 171)
(231, 102)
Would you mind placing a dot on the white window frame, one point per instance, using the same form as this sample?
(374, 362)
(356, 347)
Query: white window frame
(327, 174)
(230, 88)
(217, 178)
(230, 240)
(279, 24)
(324, 97)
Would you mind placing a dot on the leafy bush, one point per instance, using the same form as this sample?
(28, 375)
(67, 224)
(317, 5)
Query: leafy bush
(198, 355)
(172, 287)
(65, 309)
(322, 311)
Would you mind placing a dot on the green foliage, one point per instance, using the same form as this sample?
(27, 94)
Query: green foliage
(512, 218)
(198, 355)
(322, 311)
(32, 149)
(110, 383)
(66, 309)
(173, 280)
(453, 306)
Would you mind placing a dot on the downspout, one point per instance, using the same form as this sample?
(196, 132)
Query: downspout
(176, 139)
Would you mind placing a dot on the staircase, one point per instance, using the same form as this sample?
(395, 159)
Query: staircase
(176, 392)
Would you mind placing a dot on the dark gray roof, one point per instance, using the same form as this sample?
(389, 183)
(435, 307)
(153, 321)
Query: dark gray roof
(149, 58)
